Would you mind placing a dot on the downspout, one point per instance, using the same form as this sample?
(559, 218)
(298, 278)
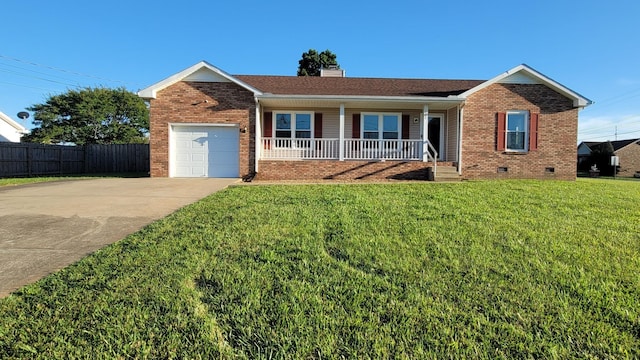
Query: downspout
(460, 123)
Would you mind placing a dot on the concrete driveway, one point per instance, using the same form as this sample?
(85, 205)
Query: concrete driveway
(48, 226)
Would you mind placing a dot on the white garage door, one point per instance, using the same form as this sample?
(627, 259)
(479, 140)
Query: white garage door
(205, 151)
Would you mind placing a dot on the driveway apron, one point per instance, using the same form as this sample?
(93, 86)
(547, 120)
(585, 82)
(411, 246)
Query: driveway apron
(48, 226)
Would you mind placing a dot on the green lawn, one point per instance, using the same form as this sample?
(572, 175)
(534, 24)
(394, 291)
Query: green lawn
(506, 269)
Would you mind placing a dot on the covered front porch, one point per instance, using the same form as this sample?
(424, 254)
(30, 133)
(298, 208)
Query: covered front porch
(362, 130)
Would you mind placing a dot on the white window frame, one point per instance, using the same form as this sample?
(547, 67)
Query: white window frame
(293, 138)
(381, 116)
(526, 130)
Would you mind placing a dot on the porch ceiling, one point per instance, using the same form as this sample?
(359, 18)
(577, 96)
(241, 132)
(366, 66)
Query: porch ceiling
(404, 103)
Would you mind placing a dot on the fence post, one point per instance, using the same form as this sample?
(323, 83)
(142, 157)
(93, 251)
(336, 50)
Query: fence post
(29, 160)
(85, 148)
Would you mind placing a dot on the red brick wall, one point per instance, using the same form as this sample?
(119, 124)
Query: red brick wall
(341, 170)
(183, 102)
(557, 133)
(629, 159)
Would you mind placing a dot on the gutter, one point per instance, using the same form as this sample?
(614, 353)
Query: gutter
(343, 98)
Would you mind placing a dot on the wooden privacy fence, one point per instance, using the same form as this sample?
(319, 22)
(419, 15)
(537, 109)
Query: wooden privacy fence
(25, 159)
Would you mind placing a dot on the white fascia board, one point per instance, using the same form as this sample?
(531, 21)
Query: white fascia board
(410, 99)
(151, 91)
(578, 100)
(21, 129)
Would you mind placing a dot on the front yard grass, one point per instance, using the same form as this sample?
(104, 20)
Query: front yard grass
(507, 269)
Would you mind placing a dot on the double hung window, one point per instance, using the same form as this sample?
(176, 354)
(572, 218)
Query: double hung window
(383, 126)
(517, 130)
(291, 126)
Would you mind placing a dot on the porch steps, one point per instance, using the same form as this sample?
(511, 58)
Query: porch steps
(446, 173)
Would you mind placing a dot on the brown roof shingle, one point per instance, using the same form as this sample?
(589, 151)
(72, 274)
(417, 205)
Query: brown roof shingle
(315, 85)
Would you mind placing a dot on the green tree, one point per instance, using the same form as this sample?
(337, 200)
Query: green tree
(312, 62)
(90, 116)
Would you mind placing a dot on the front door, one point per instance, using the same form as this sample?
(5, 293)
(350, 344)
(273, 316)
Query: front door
(436, 134)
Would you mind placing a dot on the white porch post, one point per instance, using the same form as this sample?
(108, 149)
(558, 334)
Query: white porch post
(425, 133)
(460, 121)
(258, 136)
(341, 142)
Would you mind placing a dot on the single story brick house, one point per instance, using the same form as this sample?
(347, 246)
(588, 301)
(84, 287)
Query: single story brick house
(205, 122)
(628, 152)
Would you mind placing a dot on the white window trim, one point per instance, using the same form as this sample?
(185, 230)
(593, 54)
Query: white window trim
(293, 114)
(380, 116)
(526, 131)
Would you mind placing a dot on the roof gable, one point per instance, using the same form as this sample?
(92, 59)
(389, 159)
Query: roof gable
(584, 148)
(523, 74)
(202, 71)
(4, 117)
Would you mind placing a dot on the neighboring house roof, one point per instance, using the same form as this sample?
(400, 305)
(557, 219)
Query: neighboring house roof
(19, 128)
(617, 145)
(590, 144)
(265, 86)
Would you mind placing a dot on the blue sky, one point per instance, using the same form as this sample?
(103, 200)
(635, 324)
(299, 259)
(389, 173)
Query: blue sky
(593, 47)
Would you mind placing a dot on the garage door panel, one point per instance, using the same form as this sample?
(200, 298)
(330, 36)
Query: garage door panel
(182, 157)
(224, 145)
(201, 151)
(229, 172)
(197, 157)
(223, 158)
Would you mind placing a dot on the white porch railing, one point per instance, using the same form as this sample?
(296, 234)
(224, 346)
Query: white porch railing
(366, 149)
(300, 149)
(354, 149)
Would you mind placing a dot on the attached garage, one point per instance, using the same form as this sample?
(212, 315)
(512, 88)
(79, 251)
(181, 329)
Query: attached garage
(205, 151)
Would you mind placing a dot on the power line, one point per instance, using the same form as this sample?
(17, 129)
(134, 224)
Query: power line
(63, 70)
(39, 78)
(629, 132)
(27, 86)
(617, 97)
(35, 71)
(630, 121)
(624, 133)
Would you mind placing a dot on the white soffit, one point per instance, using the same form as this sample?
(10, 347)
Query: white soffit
(202, 71)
